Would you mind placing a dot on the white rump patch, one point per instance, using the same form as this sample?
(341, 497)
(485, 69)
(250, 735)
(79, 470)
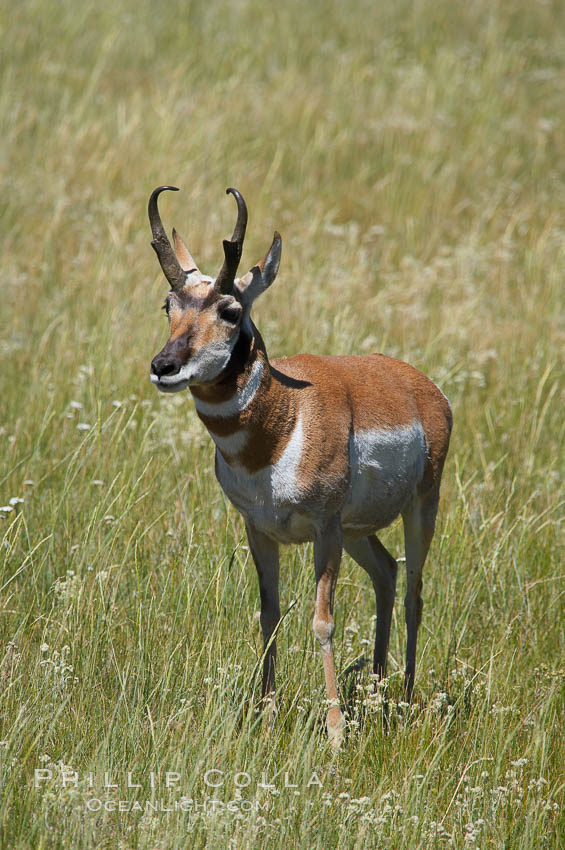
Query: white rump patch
(239, 401)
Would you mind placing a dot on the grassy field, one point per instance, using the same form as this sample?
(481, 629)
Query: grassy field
(411, 154)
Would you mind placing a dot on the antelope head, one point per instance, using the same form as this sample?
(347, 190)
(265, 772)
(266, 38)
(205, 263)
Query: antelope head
(206, 315)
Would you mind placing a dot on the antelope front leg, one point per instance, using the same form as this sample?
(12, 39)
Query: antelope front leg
(327, 557)
(265, 553)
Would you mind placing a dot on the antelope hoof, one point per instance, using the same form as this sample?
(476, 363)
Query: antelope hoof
(269, 709)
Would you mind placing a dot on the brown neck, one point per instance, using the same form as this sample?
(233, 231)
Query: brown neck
(250, 398)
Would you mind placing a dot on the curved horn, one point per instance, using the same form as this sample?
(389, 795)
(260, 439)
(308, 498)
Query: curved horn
(233, 247)
(161, 245)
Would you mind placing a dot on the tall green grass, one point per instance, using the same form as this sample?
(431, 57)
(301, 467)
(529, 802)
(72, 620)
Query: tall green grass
(411, 154)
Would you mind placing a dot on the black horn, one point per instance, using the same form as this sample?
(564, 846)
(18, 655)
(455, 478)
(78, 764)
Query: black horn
(233, 247)
(161, 245)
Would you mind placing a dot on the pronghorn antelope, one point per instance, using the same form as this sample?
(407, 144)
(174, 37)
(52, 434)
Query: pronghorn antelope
(322, 449)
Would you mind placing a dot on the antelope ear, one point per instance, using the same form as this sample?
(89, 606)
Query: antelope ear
(183, 254)
(261, 276)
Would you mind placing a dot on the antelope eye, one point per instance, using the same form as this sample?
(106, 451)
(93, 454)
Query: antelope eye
(230, 314)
